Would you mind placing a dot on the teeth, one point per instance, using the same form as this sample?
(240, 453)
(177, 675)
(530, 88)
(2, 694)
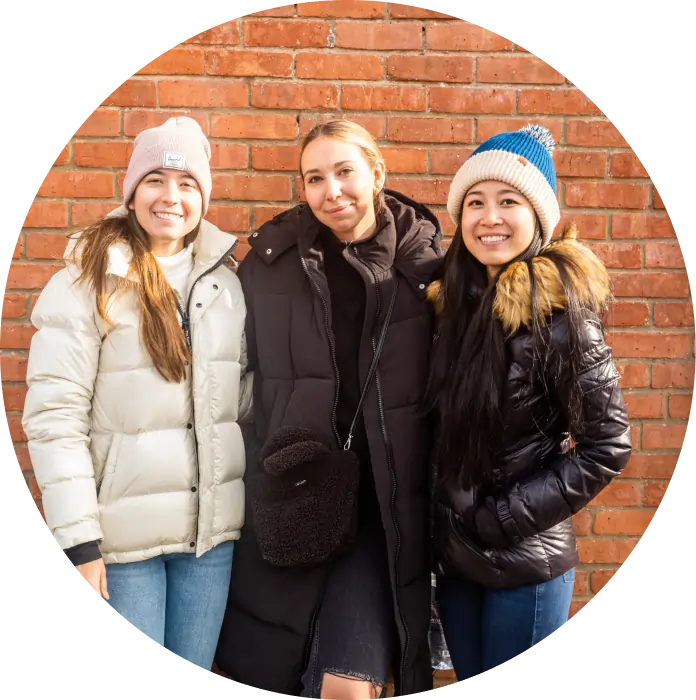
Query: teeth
(165, 215)
(493, 239)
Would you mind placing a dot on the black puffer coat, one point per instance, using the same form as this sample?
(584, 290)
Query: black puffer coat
(291, 349)
(522, 533)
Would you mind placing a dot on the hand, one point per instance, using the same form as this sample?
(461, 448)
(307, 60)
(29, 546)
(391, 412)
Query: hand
(488, 527)
(94, 572)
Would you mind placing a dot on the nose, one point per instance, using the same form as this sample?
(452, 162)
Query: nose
(171, 192)
(333, 189)
(490, 216)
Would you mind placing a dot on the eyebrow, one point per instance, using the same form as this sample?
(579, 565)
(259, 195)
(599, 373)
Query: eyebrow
(478, 192)
(336, 165)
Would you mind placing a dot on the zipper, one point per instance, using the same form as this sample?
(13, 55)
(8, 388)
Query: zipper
(186, 327)
(392, 472)
(329, 334)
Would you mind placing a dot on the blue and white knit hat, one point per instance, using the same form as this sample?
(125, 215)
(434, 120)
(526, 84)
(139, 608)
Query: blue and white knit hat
(522, 159)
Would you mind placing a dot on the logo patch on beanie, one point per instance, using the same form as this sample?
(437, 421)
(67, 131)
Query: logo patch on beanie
(174, 160)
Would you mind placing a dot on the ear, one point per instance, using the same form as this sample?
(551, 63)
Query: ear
(131, 204)
(379, 172)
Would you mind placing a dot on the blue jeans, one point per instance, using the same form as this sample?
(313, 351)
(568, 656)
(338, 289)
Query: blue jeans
(176, 599)
(485, 627)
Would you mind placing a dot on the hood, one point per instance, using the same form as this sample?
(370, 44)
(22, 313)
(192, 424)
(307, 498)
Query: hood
(513, 301)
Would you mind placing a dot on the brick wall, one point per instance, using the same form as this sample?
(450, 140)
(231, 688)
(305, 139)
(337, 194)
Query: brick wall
(429, 87)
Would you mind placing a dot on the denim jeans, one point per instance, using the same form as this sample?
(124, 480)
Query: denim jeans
(176, 599)
(485, 627)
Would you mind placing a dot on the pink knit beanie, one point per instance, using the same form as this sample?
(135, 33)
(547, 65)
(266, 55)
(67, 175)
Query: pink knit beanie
(179, 143)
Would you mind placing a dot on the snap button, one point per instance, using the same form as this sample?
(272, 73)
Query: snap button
(256, 233)
(215, 286)
(421, 286)
(198, 305)
(192, 544)
(268, 251)
(189, 426)
(193, 489)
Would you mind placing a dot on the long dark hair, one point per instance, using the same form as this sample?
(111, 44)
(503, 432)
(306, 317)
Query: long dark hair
(468, 369)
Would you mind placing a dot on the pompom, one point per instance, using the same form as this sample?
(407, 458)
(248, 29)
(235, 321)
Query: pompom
(541, 134)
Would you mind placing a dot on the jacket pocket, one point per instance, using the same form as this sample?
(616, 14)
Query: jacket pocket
(109, 472)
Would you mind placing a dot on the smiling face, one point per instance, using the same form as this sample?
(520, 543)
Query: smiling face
(168, 205)
(340, 186)
(498, 223)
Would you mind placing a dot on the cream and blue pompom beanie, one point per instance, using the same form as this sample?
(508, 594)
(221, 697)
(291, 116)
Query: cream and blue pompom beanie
(522, 159)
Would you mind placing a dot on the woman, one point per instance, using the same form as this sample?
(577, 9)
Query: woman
(136, 383)
(319, 282)
(520, 368)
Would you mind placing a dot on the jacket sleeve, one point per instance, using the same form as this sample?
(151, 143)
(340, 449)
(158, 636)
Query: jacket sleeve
(602, 445)
(249, 341)
(62, 367)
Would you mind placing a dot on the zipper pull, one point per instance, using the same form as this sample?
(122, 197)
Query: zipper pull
(346, 446)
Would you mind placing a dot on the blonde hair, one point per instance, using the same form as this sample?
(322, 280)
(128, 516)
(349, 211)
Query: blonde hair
(349, 132)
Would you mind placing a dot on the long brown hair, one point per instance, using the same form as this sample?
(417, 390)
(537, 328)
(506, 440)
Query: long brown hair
(161, 331)
(349, 132)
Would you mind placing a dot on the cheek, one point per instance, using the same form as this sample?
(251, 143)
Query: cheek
(314, 197)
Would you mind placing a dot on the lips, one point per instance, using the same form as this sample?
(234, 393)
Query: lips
(168, 216)
(338, 210)
(493, 239)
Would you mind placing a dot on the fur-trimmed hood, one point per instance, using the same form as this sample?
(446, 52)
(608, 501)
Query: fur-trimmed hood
(513, 299)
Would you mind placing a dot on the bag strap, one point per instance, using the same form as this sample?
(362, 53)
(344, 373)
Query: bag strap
(373, 366)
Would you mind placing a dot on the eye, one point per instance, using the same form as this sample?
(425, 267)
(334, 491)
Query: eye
(474, 203)
(313, 180)
(345, 171)
(508, 201)
(154, 178)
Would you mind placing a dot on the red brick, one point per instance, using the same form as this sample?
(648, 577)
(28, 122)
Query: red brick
(286, 33)
(88, 213)
(254, 126)
(408, 12)
(634, 375)
(405, 160)
(102, 122)
(426, 191)
(430, 129)
(378, 36)
(644, 345)
(63, 157)
(593, 133)
(582, 583)
(642, 465)
(357, 9)
(581, 522)
(618, 493)
(16, 336)
(590, 226)
(275, 157)
(47, 215)
(377, 126)
(264, 214)
(628, 313)
(605, 550)
(181, 60)
(607, 195)
(64, 183)
(555, 102)
(18, 248)
(490, 126)
(284, 11)
(14, 420)
(472, 100)
(599, 578)
(133, 93)
(622, 522)
(680, 406)
(429, 67)
(624, 225)
(23, 459)
(448, 160)
(103, 154)
(618, 255)
(644, 405)
(229, 218)
(14, 306)
(242, 248)
(202, 92)
(383, 97)
(339, 66)
(673, 375)
(134, 121)
(44, 246)
(229, 156)
(663, 437)
(657, 200)
(651, 284)
(626, 165)
(654, 492)
(516, 69)
(226, 33)
(576, 606)
(272, 188)
(580, 163)
(461, 36)
(294, 95)
(13, 369)
(249, 63)
(29, 276)
(13, 396)
(673, 314)
(665, 255)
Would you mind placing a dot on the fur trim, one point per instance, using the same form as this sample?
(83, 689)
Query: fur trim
(513, 300)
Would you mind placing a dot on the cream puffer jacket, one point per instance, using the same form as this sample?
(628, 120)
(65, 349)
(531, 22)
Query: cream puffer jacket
(145, 466)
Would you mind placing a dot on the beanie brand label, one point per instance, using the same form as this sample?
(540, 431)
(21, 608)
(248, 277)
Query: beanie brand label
(174, 160)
